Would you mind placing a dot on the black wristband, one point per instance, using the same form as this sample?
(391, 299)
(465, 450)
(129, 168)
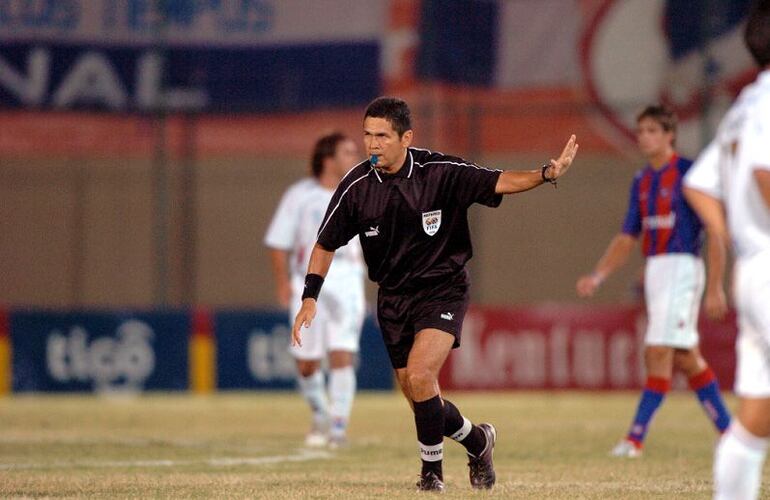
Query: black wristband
(313, 284)
(547, 179)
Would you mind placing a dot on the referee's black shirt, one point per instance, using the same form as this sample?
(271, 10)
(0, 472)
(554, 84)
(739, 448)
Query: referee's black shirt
(413, 224)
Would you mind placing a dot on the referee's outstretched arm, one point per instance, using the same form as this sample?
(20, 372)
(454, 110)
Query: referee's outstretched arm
(320, 261)
(512, 181)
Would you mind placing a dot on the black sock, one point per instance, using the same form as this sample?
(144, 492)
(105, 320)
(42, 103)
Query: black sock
(429, 420)
(462, 430)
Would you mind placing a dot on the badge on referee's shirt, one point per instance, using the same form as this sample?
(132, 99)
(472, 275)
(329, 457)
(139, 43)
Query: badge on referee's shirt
(431, 221)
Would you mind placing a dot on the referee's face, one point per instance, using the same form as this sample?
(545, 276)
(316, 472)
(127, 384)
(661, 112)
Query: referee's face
(382, 141)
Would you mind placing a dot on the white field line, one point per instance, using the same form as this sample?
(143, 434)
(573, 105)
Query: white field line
(124, 441)
(129, 442)
(300, 456)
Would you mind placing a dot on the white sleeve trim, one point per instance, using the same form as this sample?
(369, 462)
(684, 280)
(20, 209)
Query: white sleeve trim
(459, 164)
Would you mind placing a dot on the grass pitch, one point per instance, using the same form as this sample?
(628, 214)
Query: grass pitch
(248, 445)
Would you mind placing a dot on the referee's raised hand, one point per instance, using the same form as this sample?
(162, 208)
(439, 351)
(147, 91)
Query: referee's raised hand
(304, 318)
(559, 167)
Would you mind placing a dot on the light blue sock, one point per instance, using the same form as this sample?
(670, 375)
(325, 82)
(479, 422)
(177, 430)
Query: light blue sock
(313, 389)
(342, 390)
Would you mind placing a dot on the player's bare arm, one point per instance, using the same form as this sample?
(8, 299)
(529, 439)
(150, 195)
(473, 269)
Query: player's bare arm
(762, 176)
(320, 261)
(614, 257)
(279, 260)
(711, 213)
(512, 181)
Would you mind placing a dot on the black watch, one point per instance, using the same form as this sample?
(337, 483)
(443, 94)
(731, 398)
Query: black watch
(550, 180)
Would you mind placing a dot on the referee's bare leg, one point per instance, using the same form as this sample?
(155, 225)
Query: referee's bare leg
(436, 417)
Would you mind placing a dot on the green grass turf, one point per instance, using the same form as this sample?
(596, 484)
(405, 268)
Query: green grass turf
(248, 445)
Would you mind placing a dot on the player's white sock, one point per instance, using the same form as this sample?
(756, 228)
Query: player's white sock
(738, 464)
(313, 390)
(342, 390)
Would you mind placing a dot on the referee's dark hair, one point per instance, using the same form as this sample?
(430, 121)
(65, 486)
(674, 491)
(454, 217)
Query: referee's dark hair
(393, 109)
(661, 114)
(757, 35)
(325, 147)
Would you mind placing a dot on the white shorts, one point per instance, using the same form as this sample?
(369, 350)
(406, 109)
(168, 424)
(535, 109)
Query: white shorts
(673, 287)
(752, 300)
(337, 324)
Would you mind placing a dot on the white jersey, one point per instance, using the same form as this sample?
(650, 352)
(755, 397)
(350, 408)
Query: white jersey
(726, 168)
(294, 229)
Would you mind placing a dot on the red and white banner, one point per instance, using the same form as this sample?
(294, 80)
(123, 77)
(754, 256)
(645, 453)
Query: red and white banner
(567, 347)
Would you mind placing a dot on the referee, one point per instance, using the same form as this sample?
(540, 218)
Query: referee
(409, 207)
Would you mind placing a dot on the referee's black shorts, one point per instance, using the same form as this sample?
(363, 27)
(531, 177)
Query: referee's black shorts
(401, 315)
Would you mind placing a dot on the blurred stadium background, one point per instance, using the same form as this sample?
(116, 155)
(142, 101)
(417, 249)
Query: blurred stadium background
(144, 145)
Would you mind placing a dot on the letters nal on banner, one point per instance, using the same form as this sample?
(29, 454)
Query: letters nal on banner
(219, 56)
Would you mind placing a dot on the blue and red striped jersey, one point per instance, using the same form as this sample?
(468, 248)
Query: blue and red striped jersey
(657, 210)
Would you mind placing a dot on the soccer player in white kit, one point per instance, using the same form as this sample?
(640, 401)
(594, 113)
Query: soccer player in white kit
(674, 278)
(732, 176)
(336, 329)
